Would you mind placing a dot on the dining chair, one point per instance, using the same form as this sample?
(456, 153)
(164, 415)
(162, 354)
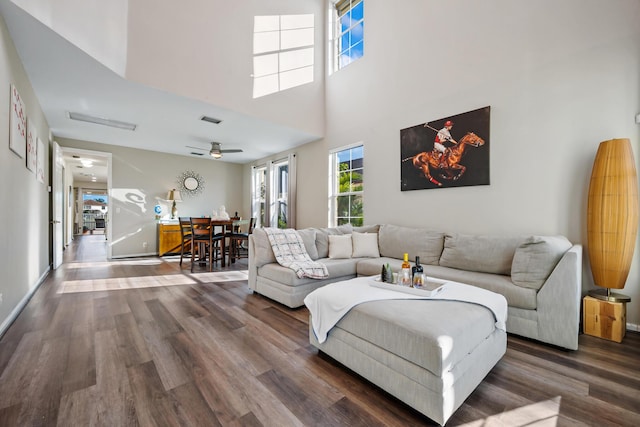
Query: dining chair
(227, 231)
(237, 240)
(204, 242)
(185, 236)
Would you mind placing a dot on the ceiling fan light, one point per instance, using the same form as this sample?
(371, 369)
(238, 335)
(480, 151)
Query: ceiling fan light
(215, 152)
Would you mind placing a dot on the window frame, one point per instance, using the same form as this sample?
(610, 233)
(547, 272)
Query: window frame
(338, 10)
(274, 203)
(334, 183)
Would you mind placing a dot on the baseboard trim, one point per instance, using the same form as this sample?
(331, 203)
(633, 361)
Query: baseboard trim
(22, 304)
(633, 327)
(148, 254)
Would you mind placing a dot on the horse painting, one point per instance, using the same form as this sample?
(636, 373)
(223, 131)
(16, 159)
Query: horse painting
(450, 166)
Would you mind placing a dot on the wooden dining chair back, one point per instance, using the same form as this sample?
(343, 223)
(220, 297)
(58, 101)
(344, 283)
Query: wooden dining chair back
(238, 242)
(185, 236)
(204, 242)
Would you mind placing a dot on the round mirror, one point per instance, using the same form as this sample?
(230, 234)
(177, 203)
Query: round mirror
(190, 183)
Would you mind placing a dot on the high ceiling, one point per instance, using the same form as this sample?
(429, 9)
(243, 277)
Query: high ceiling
(65, 79)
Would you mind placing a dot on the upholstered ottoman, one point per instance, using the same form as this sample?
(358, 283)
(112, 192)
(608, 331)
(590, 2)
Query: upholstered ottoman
(431, 354)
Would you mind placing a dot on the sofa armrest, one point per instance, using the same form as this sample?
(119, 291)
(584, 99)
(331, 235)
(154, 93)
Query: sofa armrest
(558, 302)
(253, 268)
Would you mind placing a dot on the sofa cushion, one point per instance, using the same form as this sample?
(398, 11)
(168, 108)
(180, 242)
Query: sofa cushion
(367, 228)
(395, 240)
(339, 269)
(487, 254)
(263, 252)
(340, 246)
(365, 245)
(516, 296)
(536, 258)
(322, 237)
(308, 236)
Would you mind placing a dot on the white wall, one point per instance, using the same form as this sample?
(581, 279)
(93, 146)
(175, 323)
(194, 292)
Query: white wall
(24, 202)
(560, 77)
(101, 33)
(141, 178)
(210, 46)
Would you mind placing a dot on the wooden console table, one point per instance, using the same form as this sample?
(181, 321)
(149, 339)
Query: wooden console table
(169, 238)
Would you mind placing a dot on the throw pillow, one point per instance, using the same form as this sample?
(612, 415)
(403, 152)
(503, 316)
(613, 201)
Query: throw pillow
(486, 254)
(395, 240)
(536, 258)
(340, 246)
(367, 228)
(308, 236)
(322, 239)
(365, 245)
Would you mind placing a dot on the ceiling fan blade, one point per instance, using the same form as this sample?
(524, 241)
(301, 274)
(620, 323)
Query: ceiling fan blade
(232, 150)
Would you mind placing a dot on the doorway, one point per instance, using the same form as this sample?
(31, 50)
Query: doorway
(83, 192)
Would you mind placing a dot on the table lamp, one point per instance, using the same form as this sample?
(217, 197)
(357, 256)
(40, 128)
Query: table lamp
(174, 195)
(612, 218)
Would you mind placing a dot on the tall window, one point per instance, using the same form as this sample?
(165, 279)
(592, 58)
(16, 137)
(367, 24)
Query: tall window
(282, 52)
(273, 190)
(348, 32)
(280, 194)
(259, 195)
(346, 186)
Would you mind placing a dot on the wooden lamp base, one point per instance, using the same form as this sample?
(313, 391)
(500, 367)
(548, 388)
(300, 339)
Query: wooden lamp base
(604, 319)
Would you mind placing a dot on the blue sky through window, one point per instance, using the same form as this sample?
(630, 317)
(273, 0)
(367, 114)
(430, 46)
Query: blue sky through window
(351, 37)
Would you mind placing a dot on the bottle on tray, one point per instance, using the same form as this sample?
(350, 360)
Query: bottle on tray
(417, 274)
(405, 274)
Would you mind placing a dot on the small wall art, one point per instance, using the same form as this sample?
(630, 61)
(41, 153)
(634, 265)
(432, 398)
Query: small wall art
(32, 147)
(17, 124)
(41, 155)
(448, 152)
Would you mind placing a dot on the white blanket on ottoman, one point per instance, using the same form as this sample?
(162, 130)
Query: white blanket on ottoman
(330, 303)
(290, 252)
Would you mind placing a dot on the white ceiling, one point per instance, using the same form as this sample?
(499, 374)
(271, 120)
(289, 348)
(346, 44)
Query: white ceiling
(66, 79)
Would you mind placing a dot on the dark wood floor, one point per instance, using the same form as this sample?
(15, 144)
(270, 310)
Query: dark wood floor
(142, 342)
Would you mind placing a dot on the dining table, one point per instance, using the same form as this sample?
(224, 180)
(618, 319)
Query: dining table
(227, 226)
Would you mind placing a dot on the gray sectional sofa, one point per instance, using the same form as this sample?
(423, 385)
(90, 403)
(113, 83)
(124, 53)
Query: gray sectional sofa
(540, 276)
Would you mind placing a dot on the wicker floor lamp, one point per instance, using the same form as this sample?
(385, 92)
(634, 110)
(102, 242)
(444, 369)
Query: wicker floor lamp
(612, 218)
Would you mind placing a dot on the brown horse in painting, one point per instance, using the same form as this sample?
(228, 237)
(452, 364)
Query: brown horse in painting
(453, 170)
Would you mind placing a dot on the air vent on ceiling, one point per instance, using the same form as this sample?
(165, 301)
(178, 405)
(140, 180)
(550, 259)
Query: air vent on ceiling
(196, 154)
(211, 120)
(102, 121)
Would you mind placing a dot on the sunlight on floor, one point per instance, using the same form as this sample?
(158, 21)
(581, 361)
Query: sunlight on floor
(95, 264)
(541, 414)
(123, 283)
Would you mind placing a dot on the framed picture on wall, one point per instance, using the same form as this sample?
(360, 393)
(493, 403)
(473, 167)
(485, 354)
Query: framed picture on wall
(32, 147)
(17, 124)
(448, 152)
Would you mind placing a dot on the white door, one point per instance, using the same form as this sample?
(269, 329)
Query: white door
(58, 195)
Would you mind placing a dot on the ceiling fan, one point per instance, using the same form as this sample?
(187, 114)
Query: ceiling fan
(216, 151)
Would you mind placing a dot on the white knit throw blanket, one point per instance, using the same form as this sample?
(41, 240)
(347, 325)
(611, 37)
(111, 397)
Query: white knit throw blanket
(330, 303)
(290, 252)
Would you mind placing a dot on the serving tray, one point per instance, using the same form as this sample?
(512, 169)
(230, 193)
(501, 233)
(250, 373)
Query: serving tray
(427, 290)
